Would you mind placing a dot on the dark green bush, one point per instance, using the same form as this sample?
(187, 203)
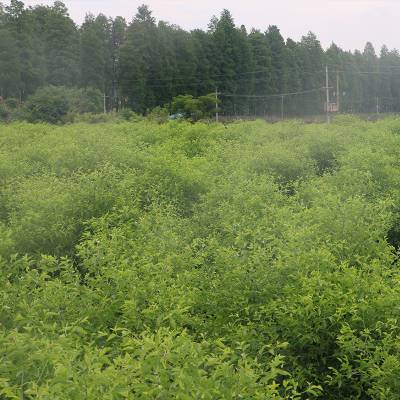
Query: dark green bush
(4, 112)
(158, 114)
(57, 104)
(129, 115)
(193, 108)
(11, 103)
(50, 104)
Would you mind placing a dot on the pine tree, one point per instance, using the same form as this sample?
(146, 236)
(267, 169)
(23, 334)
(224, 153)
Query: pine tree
(184, 57)
(232, 60)
(393, 60)
(385, 98)
(244, 79)
(339, 62)
(223, 34)
(262, 65)
(139, 60)
(205, 68)
(29, 48)
(59, 37)
(148, 63)
(311, 60)
(370, 78)
(118, 28)
(96, 53)
(279, 71)
(10, 67)
(293, 79)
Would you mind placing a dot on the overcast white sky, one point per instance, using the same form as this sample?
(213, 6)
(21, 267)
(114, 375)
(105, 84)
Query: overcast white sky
(349, 23)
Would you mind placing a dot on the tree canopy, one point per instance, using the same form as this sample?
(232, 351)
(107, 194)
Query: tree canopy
(146, 63)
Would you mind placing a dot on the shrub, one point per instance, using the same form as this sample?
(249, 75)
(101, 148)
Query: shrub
(129, 115)
(91, 118)
(11, 103)
(4, 112)
(193, 108)
(191, 261)
(87, 100)
(56, 104)
(158, 114)
(50, 104)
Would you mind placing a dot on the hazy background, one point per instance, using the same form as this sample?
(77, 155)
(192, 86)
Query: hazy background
(349, 23)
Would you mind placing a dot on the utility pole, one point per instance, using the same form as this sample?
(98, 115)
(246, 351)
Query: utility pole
(377, 105)
(216, 105)
(328, 118)
(337, 92)
(114, 104)
(114, 68)
(104, 104)
(282, 114)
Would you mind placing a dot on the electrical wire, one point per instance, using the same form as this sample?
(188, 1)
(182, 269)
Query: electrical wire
(271, 95)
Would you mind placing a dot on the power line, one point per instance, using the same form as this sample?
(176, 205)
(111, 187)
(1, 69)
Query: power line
(211, 81)
(271, 95)
(236, 80)
(211, 77)
(355, 70)
(201, 83)
(266, 69)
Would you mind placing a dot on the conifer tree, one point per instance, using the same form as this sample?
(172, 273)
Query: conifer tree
(138, 61)
(148, 63)
(9, 65)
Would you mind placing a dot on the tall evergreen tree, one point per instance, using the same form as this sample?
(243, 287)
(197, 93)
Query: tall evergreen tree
(205, 69)
(59, 37)
(29, 48)
(279, 72)
(262, 67)
(385, 101)
(392, 60)
(118, 28)
(139, 60)
(223, 33)
(10, 67)
(310, 57)
(370, 78)
(147, 63)
(293, 79)
(233, 61)
(96, 66)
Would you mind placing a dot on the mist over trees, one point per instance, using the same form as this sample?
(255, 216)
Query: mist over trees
(144, 63)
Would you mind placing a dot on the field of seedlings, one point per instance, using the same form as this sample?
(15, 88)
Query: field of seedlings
(200, 261)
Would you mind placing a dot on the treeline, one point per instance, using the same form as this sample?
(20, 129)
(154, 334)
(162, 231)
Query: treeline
(144, 63)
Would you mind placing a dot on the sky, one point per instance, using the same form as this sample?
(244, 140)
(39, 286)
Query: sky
(348, 23)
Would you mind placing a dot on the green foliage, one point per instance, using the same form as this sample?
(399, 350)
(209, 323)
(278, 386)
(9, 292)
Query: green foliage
(11, 103)
(94, 118)
(48, 105)
(158, 114)
(146, 63)
(193, 108)
(142, 260)
(55, 104)
(4, 112)
(129, 115)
